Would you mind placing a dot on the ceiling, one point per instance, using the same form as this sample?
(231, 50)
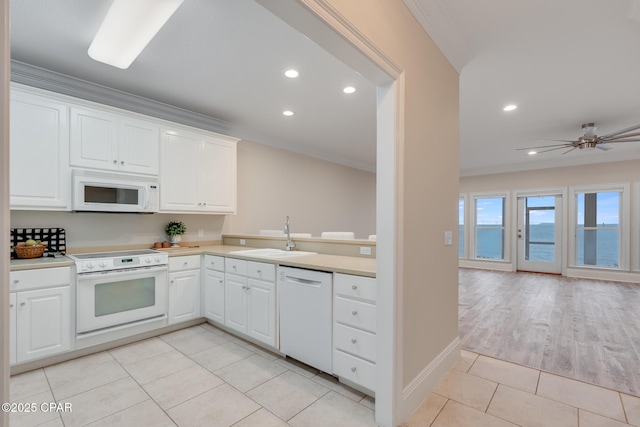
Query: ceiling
(563, 63)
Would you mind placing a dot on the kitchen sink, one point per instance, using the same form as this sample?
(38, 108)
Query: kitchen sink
(270, 253)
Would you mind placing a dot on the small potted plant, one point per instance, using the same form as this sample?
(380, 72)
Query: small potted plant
(174, 230)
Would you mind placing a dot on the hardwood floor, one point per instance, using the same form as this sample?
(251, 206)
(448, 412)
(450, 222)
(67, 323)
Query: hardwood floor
(588, 330)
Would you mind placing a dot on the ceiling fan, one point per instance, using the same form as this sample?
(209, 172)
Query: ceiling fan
(591, 140)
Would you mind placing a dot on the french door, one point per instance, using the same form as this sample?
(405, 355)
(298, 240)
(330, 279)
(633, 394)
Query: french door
(540, 233)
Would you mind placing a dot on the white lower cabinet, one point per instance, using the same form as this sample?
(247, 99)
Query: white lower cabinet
(250, 299)
(354, 329)
(213, 288)
(184, 288)
(40, 313)
(12, 328)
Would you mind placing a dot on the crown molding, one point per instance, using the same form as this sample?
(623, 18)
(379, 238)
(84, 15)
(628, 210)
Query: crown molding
(55, 82)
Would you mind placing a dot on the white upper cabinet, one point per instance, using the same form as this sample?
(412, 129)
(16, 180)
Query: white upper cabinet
(39, 146)
(104, 140)
(198, 172)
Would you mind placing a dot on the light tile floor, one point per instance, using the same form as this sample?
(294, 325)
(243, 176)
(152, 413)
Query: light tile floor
(202, 376)
(198, 376)
(481, 391)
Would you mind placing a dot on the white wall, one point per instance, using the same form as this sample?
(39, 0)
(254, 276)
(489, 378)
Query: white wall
(272, 183)
(317, 195)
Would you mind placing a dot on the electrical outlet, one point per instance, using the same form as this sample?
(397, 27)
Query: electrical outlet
(365, 250)
(200, 232)
(242, 242)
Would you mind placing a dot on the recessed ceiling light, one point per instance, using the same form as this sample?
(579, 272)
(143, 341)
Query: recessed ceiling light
(510, 107)
(292, 74)
(287, 113)
(349, 89)
(531, 153)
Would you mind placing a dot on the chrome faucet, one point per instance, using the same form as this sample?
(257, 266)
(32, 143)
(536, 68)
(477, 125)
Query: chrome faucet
(289, 245)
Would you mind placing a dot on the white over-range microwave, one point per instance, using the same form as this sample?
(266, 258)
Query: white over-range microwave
(114, 192)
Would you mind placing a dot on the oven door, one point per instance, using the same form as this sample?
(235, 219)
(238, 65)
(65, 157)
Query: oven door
(120, 297)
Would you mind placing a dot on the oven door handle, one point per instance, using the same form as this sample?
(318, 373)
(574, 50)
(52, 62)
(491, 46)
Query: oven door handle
(111, 273)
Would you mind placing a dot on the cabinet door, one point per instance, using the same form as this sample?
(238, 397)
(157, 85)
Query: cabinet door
(179, 161)
(235, 302)
(94, 139)
(218, 179)
(39, 135)
(12, 328)
(262, 311)
(43, 323)
(184, 296)
(138, 146)
(214, 295)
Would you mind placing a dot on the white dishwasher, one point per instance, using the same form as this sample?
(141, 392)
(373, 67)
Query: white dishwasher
(305, 305)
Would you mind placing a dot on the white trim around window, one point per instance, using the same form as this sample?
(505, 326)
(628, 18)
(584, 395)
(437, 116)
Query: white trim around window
(465, 227)
(624, 217)
(635, 229)
(506, 221)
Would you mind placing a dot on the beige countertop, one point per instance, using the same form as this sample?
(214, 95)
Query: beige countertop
(42, 262)
(335, 263)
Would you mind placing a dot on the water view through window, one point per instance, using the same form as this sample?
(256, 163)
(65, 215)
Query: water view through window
(490, 227)
(598, 229)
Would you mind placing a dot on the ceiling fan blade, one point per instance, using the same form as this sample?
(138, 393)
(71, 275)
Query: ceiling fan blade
(615, 141)
(570, 150)
(545, 146)
(557, 148)
(619, 132)
(603, 147)
(629, 135)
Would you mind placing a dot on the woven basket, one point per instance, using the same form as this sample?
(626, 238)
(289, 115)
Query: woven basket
(29, 251)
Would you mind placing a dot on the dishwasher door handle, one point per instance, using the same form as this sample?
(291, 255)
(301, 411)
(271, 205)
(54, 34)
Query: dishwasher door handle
(302, 281)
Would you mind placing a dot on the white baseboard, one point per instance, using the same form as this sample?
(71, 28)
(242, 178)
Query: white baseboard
(603, 274)
(419, 388)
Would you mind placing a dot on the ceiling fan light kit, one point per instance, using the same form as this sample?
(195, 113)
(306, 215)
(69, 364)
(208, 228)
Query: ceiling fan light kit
(590, 140)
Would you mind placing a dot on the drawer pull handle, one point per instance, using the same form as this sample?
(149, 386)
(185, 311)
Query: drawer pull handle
(10, 305)
(221, 281)
(354, 312)
(353, 340)
(353, 369)
(16, 281)
(186, 263)
(22, 304)
(259, 271)
(354, 287)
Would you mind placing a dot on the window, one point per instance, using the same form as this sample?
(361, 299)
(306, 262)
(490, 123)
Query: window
(598, 228)
(461, 228)
(490, 227)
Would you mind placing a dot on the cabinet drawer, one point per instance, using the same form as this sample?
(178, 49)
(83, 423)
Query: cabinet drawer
(235, 266)
(261, 271)
(40, 278)
(355, 313)
(214, 262)
(355, 286)
(354, 369)
(188, 262)
(355, 341)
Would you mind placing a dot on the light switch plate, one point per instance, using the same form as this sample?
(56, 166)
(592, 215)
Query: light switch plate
(242, 242)
(448, 238)
(365, 250)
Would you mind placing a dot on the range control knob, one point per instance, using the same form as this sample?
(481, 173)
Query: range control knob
(90, 266)
(157, 259)
(147, 260)
(102, 264)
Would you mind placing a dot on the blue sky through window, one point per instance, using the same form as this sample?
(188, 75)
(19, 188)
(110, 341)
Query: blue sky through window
(607, 208)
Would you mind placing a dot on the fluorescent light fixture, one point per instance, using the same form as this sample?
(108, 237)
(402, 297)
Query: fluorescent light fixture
(532, 153)
(510, 107)
(127, 29)
(349, 89)
(292, 74)
(287, 113)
